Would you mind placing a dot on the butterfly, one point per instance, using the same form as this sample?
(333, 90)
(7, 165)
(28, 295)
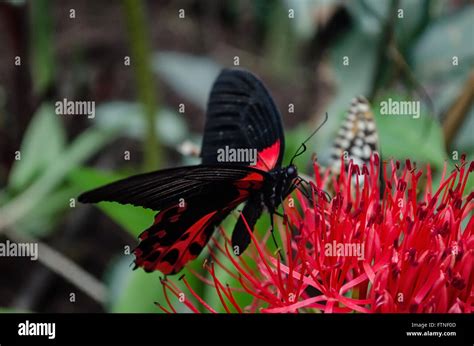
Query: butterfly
(193, 200)
(357, 141)
(357, 138)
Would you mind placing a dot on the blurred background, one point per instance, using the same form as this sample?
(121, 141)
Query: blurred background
(149, 66)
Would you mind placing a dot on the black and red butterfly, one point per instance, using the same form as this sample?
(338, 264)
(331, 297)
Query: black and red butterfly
(193, 200)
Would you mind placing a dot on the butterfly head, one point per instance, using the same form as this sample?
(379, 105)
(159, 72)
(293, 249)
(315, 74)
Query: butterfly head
(291, 172)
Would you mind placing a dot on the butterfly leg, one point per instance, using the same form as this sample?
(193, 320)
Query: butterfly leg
(279, 214)
(283, 216)
(272, 231)
(305, 193)
(296, 185)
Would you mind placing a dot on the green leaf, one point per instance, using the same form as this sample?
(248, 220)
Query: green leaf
(42, 143)
(352, 80)
(137, 291)
(368, 14)
(447, 92)
(464, 142)
(433, 52)
(132, 290)
(41, 31)
(126, 117)
(6, 310)
(306, 12)
(190, 76)
(447, 37)
(404, 137)
(280, 44)
(41, 220)
(83, 147)
(133, 219)
(171, 127)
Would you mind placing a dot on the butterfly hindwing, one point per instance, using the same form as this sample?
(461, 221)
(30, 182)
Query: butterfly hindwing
(357, 138)
(180, 232)
(242, 115)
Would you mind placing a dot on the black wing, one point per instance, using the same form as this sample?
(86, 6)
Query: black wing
(164, 188)
(242, 114)
(241, 236)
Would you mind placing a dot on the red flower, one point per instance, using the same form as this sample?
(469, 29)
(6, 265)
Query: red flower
(407, 251)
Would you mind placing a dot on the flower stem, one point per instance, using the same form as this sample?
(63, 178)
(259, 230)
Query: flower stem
(146, 88)
(459, 110)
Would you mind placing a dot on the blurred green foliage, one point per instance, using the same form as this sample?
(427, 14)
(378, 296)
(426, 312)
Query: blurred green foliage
(132, 219)
(42, 183)
(40, 173)
(42, 47)
(45, 131)
(398, 135)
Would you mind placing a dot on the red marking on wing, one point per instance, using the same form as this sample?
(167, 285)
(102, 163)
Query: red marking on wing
(268, 157)
(170, 259)
(251, 182)
(194, 234)
(252, 177)
(179, 234)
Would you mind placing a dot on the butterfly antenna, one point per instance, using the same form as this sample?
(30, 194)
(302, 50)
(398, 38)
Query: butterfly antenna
(302, 148)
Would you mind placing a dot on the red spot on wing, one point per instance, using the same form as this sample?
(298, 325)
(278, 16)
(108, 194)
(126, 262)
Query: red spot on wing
(195, 235)
(252, 177)
(170, 259)
(251, 182)
(268, 157)
(179, 234)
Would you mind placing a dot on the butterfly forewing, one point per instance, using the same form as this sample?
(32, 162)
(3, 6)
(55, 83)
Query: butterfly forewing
(357, 138)
(242, 115)
(161, 189)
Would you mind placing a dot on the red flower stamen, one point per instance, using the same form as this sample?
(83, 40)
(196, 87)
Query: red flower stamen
(410, 249)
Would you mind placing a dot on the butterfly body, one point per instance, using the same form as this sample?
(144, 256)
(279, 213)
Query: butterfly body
(276, 189)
